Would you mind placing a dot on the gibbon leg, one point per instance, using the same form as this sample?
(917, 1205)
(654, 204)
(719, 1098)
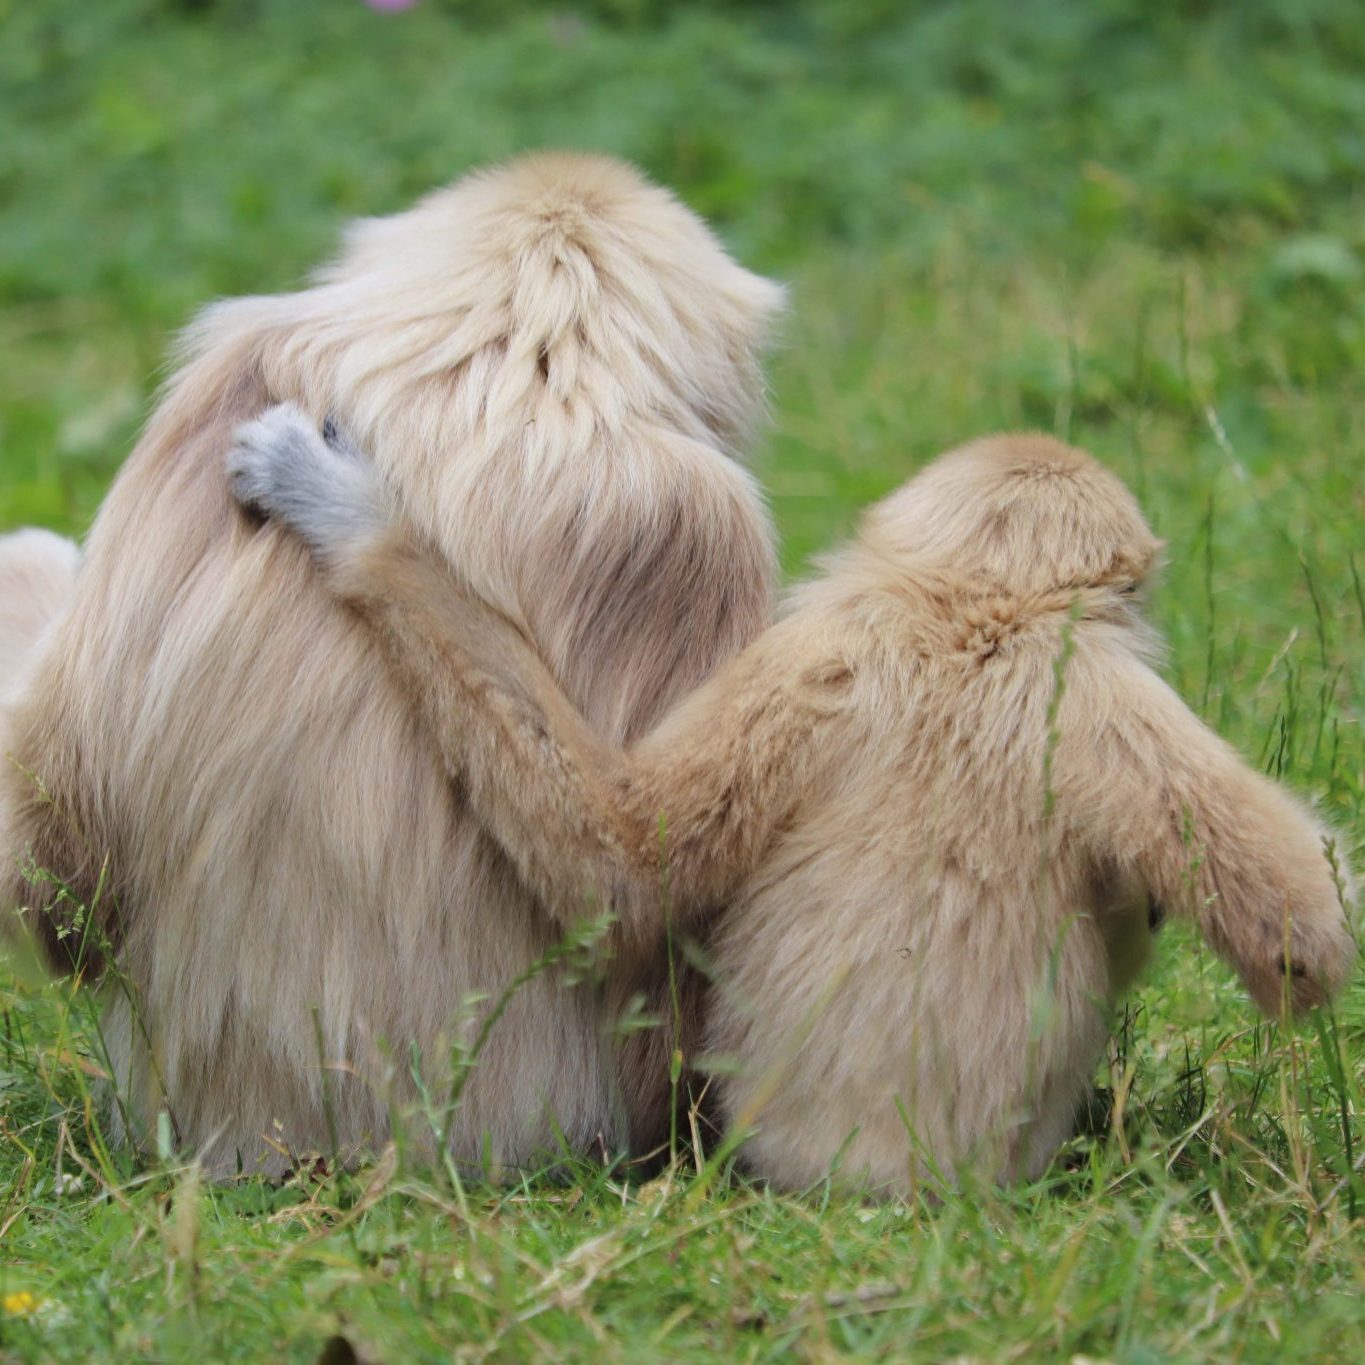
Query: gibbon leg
(37, 571)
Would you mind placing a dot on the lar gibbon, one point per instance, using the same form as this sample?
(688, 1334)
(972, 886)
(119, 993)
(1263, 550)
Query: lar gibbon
(556, 366)
(924, 811)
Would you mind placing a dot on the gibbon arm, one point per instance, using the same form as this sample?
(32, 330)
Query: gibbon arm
(1156, 792)
(676, 823)
(679, 820)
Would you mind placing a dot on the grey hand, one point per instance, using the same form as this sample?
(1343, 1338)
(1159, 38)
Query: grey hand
(321, 487)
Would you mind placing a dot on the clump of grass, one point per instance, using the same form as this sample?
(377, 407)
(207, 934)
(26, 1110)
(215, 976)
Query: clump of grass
(1219, 1183)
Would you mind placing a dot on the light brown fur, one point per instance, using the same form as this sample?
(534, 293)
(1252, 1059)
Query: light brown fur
(553, 363)
(931, 861)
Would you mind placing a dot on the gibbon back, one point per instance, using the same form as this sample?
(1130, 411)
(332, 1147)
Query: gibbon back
(555, 365)
(924, 813)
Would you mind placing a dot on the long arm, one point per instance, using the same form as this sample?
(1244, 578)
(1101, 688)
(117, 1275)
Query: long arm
(686, 813)
(679, 820)
(1157, 793)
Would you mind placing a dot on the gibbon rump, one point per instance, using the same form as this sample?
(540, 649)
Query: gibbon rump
(555, 365)
(926, 863)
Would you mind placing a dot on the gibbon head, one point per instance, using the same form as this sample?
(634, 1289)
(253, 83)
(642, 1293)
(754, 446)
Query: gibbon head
(578, 269)
(1022, 512)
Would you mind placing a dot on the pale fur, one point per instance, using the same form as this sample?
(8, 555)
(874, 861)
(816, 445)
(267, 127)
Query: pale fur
(37, 572)
(554, 365)
(932, 862)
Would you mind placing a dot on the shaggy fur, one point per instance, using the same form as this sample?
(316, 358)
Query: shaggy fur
(37, 571)
(934, 801)
(553, 365)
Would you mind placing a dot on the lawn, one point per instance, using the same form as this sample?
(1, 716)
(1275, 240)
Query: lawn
(1139, 226)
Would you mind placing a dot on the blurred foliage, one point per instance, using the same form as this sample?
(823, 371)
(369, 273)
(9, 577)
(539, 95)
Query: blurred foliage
(135, 126)
(157, 153)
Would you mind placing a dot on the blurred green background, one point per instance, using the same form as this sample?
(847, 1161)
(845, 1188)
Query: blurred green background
(1082, 175)
(1135, 224)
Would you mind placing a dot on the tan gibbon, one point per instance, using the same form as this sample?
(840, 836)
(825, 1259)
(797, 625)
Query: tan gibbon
(926, 809)
(556, 366)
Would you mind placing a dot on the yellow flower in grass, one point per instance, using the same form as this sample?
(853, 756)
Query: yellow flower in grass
(20, 1304)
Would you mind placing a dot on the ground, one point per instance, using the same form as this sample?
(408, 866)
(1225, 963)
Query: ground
(1137, 226)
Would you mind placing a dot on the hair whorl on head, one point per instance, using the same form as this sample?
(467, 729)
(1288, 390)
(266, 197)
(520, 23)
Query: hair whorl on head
(1026, 512)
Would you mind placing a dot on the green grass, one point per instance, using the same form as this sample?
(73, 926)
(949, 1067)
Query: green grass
(1136, 225)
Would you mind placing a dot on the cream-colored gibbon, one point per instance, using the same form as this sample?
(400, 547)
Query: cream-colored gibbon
(923, 813)
(556, 366)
